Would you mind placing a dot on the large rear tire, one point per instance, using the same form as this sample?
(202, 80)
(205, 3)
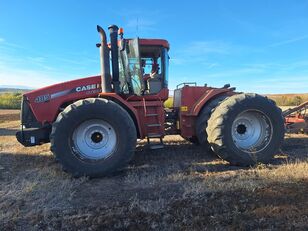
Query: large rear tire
(93, 137)
(246, 129)
(202, 122)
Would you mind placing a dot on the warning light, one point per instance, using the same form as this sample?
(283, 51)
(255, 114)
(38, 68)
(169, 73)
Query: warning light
(121, 31)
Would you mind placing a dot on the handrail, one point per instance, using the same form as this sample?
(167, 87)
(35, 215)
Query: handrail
(186, 84)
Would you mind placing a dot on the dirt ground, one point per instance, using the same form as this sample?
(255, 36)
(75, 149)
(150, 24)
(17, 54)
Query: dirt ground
(177, 188)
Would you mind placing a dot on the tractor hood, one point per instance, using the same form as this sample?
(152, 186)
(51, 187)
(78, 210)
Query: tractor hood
(45, 102)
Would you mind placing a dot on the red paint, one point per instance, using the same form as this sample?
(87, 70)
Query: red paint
(194, 98)
(154, 42)
(296, 119)
(46, 112)
(149, 42)
(141, 107)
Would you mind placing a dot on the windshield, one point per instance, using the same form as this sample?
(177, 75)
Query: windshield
(129, 68)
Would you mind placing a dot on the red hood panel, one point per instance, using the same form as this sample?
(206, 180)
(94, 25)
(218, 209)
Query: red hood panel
(45, 102)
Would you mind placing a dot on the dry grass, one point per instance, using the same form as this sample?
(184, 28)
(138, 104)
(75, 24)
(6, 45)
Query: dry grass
(179, 187)
(289, 99)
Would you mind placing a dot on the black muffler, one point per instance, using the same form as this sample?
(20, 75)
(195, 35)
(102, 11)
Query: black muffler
(113, 30)
(105, 64)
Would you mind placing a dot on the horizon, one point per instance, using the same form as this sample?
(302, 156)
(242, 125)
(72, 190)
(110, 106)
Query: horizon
(257, 47)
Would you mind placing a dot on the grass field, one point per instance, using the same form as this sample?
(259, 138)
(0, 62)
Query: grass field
(10, 100)
(177, 188)
(289, 99)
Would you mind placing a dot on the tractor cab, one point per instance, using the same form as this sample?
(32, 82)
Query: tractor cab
(139, 66)
(143, 66)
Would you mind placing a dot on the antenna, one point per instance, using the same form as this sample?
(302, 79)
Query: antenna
(137, 27)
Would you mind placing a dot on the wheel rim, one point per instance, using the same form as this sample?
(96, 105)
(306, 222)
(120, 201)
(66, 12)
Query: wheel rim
(251, 131)
(94, 139)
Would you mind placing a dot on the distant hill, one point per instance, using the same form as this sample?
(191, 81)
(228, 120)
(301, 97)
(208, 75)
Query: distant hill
(14, 89)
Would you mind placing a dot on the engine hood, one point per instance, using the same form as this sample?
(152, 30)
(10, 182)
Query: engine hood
(46, 102)
(60, 89)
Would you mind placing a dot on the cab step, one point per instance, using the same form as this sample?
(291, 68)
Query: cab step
(153, 125)
(154, 135)
(149, 115)
(156, 146)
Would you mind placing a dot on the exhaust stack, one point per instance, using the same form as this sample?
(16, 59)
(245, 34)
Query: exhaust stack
(113, 30)
(105, 64)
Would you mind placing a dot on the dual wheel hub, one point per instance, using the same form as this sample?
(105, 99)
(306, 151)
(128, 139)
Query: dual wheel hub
(251, 131)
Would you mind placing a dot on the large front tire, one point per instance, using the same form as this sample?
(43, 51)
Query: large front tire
(93, 137)
(246, 129)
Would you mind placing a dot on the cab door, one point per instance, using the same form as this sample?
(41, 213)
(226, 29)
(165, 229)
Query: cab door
(130, 59)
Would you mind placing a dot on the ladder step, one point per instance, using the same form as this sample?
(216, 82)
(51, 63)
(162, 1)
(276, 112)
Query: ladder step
(153, 125)
(154, 135)
(156, 146)
(148, 115)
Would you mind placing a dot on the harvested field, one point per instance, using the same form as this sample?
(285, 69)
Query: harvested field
(176, 188)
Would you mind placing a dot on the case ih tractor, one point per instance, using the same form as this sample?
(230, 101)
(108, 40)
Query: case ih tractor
(93, 123)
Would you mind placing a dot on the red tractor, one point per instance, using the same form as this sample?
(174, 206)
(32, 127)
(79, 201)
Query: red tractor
(93, 123)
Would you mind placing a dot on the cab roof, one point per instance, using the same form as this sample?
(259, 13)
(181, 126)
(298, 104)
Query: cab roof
(154, 42)
(149, 42)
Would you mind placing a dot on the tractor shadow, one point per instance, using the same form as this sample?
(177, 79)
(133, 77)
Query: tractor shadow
(8, 131)
(295, 148)
(177, 156)
(188, 156)
(180, 157)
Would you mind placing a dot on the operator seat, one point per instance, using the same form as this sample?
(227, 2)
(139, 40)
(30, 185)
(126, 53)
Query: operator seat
(155, 82)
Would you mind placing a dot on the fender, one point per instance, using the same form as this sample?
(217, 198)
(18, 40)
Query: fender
(128, 107)
(192, 100)
(208, 95)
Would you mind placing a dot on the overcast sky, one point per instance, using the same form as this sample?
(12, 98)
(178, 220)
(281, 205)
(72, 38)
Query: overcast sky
(258, 46)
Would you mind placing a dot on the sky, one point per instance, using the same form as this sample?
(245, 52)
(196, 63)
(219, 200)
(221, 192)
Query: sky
(257, 46)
